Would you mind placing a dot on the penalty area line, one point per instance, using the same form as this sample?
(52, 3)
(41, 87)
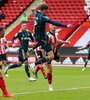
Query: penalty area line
(56, 90)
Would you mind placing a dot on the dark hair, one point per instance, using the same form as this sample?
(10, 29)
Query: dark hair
(43, 6)
(1, 28)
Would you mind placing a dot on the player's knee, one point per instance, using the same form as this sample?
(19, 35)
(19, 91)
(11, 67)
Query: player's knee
(51, 57)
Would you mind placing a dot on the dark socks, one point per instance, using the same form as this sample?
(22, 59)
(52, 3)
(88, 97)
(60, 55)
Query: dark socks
(42, 60)
(86, 63)
(27, 70)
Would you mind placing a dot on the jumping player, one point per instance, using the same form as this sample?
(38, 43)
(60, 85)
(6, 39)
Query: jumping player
(40, 20)
(88, 57)
(2, 83)
(24, 37)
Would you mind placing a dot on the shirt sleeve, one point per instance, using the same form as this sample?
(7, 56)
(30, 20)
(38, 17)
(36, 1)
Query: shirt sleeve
(31, 37)
(45, 18)
(16, 36)
(5, 40)
(56, 23)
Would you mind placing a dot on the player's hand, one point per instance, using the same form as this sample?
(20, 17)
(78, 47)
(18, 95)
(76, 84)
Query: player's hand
(68, 42)
(14, 45)
(69, 25)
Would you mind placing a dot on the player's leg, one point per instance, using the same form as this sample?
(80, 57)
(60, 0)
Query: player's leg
(40, 67)
(28, 73)
(46, 58)
(25, 61)
(56, 56)
(85, 64)
(36, 71)
(43, 71)
(3, 86)
(11, 66)
(39, 54)
(5, 64)
(86, 61)
(50, 56)
(49, 76)
(21, 59)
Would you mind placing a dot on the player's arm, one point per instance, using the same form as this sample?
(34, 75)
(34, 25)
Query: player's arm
(6, 44)
(31, 37)
(83, 47)
(62, 41)
(16, 36)
(58, 23)
(48, 20)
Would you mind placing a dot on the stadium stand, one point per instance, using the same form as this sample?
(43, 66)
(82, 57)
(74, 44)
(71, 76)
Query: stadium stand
(67, 11)
(81, 36)
(12, 9)
(2, 2)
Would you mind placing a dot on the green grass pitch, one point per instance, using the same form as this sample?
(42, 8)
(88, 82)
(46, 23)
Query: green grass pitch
(69, 83)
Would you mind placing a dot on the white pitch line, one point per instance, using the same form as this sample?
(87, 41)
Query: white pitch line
(56, 90)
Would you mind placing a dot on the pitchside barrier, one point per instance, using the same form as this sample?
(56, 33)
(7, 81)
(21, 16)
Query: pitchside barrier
(68, 56)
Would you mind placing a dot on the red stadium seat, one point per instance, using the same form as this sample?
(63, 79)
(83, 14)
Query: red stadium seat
(13, 8)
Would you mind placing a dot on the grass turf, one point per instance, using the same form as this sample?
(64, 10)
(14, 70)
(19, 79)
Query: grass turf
(69, 83)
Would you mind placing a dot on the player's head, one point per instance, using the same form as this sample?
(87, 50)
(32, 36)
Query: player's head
(52, 28)
(1, 32)
(43, 7)
(24, 27)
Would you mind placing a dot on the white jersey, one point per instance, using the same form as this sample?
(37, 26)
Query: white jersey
(52, 39)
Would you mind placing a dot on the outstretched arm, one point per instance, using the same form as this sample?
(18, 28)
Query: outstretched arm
(31, 37)
(81, 48)
(62, 41)
(58, 23)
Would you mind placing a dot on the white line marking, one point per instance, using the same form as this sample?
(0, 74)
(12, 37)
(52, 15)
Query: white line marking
(56, 90)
